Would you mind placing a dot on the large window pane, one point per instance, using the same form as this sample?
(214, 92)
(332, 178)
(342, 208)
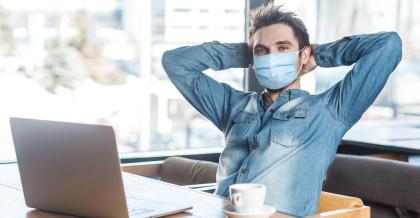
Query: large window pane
(99, 61)
(329, 20)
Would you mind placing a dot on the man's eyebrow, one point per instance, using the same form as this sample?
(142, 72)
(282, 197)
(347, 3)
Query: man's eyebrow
(261, 46)
(285, 42)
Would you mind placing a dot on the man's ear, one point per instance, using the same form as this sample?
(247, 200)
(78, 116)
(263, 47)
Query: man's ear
(308, 59)
(305, 55)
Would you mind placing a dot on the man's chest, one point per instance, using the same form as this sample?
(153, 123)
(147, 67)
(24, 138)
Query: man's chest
(287, 125)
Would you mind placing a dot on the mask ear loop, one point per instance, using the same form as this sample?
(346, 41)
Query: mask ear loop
(301, 50)
(301, 66)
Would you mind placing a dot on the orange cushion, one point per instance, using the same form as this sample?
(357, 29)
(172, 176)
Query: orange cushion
(329, 202)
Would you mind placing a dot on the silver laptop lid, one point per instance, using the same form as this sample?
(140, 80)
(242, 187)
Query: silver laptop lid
(69, 168)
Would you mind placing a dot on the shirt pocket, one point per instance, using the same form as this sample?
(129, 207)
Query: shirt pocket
(289, 127)
(243, 124)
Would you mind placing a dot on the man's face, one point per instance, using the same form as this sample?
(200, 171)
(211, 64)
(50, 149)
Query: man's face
(277, 38)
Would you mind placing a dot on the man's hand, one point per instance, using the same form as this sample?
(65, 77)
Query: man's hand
(311, 64)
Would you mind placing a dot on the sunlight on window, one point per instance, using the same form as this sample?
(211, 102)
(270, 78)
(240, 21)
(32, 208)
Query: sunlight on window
(329, 20)
(100, 62)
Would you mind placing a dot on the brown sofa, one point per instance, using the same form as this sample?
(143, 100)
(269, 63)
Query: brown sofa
(391, 188)
(201, 175)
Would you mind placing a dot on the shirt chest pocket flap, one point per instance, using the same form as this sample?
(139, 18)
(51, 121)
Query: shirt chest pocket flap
(242, 124)
(288, 127)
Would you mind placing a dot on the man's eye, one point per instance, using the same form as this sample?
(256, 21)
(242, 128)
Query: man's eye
(281, 48)
(259, 51)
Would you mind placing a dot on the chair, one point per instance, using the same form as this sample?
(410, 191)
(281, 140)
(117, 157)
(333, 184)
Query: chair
(201, 175)
(391, 188)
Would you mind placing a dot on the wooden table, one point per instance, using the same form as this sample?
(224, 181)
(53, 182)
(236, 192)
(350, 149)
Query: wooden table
(12, 203)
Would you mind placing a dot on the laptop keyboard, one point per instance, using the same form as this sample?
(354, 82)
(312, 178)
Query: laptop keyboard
(133, 211)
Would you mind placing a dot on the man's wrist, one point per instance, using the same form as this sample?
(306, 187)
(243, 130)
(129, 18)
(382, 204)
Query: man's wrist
(240, 54)
(230, 55)
(322, 55)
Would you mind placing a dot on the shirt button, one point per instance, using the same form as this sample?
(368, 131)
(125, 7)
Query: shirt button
(289, 116)
(243, 170)
(254, 147)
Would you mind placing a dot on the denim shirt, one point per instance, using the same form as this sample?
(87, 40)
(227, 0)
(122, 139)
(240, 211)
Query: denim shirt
(289, 145)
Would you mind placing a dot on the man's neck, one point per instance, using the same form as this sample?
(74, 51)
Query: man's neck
(274, 95)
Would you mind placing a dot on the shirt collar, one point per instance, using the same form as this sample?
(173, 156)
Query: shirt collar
(285, 96)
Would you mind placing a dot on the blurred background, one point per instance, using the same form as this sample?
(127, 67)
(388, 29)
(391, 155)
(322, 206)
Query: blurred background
(99, 61)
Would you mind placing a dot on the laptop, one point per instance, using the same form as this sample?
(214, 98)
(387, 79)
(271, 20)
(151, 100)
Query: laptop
(74, 169)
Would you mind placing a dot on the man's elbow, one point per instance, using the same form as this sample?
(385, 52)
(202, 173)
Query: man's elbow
(394, 46)
(168, 60)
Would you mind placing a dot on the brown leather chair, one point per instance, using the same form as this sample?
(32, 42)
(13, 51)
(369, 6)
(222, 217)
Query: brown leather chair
(391, 188)
(201, 175)
(183, 171)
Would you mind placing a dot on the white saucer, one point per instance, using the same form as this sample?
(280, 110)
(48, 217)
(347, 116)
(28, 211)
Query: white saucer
(265, 212)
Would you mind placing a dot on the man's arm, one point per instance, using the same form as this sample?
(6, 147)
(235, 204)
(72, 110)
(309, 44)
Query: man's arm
(185, 65)
(375, 56)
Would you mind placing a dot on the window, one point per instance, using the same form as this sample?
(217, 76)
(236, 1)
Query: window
(99, 61)
(329, 20)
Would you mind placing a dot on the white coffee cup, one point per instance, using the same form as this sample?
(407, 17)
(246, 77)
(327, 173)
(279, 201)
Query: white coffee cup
(247, 198)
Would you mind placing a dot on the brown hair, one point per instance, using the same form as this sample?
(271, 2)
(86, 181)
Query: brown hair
(270, 13)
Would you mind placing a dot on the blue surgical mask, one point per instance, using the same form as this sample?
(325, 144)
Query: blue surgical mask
(275, 71)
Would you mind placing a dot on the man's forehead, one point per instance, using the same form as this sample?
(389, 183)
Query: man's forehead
(275, 34)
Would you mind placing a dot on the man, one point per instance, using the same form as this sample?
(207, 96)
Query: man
(284, 138)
